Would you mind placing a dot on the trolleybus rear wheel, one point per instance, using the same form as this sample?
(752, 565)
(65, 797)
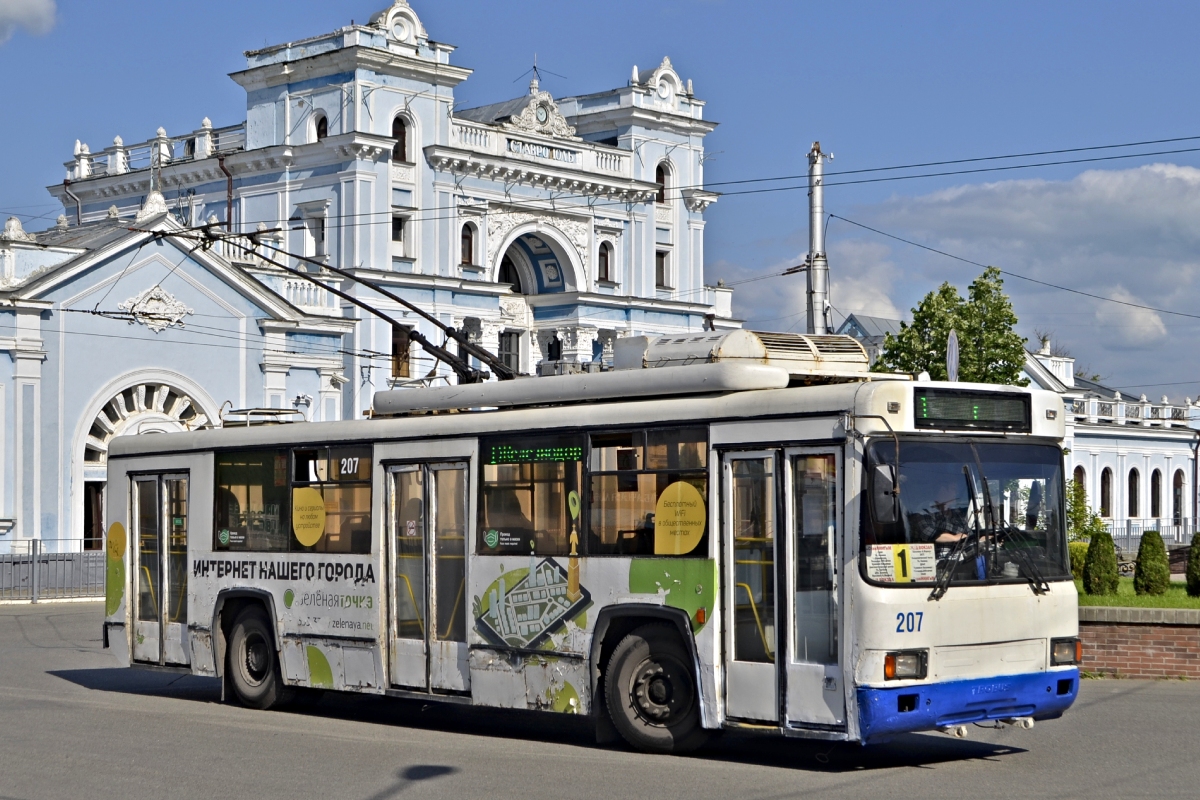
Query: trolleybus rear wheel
(253, 661)
(651, 692)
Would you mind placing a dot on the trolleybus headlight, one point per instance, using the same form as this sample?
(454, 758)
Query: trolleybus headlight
(1066, 652)
(906, 665)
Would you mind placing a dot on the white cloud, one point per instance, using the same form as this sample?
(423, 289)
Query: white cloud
(1126, 327)
(35, 16)
(861, 279)
(1131, 235)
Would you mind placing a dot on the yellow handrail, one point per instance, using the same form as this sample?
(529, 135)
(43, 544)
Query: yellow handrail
(757, 621)
(417, 608)
(153, 596)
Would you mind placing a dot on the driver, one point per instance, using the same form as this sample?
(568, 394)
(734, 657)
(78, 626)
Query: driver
(944, 521)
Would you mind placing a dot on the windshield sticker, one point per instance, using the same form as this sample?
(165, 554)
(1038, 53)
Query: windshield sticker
(901, 563)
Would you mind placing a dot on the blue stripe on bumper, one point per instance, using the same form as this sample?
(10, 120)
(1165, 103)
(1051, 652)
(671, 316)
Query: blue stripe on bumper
(928, 706)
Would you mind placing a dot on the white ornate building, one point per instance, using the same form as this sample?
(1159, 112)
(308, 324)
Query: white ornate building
(545, 227)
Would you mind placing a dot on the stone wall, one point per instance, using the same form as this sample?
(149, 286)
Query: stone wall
(1140, 642)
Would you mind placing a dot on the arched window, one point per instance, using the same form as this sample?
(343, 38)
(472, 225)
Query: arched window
(1080, 476)
(322, 127)
(1156, 494)
(510, 275)
(1133, 494)
(1177, 497)
(400, 134)
(1106, 493)
(467, 244)
(604, 263)
(660, 177)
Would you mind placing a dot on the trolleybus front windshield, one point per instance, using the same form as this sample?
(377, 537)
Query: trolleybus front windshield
(967, 511)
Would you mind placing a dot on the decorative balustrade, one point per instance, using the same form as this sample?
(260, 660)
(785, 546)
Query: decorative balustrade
(309, 296)
(610, 162)
(159, 151)
(473, 135)
(583, 155)
(1132, 412)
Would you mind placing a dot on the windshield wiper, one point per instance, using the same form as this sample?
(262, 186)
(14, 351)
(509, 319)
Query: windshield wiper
(1033, 574)
(943, 582)
(1036, 582)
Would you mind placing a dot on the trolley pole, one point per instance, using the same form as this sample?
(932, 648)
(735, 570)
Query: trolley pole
(818, 266)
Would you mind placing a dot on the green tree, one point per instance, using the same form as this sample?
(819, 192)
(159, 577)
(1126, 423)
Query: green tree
(1100, 574)
(921, 346)
(1152, 573)
(990, 351)
(1082, 522)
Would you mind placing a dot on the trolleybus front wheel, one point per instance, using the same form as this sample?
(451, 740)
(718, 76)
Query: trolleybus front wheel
(651, 692)
(253, 662)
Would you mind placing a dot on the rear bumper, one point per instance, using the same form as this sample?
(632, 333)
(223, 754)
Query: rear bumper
(1041, 695)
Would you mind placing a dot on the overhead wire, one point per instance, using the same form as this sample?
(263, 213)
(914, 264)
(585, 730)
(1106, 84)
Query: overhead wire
(1017, 275)
(676, 192)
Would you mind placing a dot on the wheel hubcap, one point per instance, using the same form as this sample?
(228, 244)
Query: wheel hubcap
(661, 691)
(257, 659)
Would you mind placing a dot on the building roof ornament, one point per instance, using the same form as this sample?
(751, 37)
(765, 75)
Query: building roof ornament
(541, 115)
(156, 308)
(13, 232)
(664, 84)
(401, 23)
(154, 206)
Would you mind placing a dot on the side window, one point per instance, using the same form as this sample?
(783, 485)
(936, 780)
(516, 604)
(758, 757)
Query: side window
(648, 493)
(315, 500)
(529, 497)
(331, 500)
(251, 498)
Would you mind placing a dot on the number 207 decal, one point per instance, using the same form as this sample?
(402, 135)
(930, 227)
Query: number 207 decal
(910, 622)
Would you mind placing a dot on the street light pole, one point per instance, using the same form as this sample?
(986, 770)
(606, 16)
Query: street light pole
(818, 266)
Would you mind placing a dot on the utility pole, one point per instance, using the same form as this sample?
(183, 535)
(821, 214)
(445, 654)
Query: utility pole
(818, 266)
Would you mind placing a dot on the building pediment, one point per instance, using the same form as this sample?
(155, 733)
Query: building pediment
(541, 115)
(535, 113)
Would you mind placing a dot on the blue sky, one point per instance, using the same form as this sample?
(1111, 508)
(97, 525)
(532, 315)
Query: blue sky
(879, 84)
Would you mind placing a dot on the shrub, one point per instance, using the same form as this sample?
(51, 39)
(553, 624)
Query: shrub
(1193, 568)
(1152, 574)
(1100, 566)
(1078, 552)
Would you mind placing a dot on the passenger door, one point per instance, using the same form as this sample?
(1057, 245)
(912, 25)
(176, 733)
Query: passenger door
(428, 556)
(750, 522)
(160, 532)
(815, 694)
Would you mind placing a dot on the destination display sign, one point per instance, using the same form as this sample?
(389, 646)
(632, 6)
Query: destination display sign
(948, 409)
(517, 453)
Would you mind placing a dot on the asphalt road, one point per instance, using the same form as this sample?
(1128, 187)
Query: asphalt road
(73, 726)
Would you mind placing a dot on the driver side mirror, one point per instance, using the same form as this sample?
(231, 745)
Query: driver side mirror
(883, 494)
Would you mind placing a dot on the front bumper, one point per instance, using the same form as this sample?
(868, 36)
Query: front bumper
(929, 706)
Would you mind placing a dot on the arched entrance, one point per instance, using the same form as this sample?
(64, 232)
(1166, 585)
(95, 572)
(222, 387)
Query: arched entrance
(536, 263)
(143, 406)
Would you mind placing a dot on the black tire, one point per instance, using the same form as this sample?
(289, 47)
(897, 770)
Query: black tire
(253, 663)
(650, 689)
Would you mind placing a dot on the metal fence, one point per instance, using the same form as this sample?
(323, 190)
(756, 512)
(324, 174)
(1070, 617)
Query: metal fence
(1127, 533)
(50, 569)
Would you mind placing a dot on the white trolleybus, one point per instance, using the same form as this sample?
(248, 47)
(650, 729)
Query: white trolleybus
(731, 530)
